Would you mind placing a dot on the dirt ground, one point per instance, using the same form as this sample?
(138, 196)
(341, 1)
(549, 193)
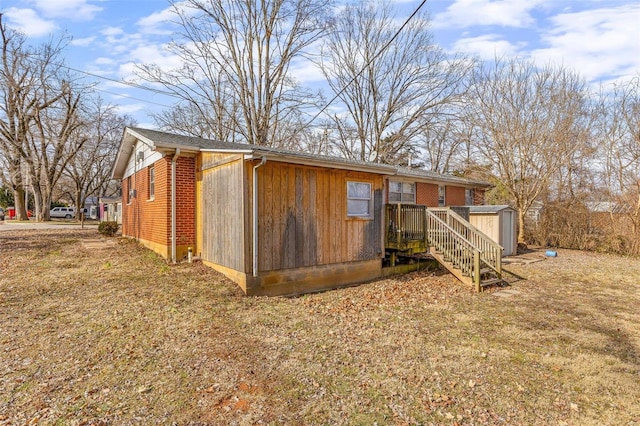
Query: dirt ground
(110, 334)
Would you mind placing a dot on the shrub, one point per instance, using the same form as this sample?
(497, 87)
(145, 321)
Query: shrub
(108, 228)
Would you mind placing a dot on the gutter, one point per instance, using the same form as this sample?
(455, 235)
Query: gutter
(173, 204)
(255, 215)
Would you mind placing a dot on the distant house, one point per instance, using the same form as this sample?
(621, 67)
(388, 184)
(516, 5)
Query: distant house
(110, 209)
(276, 222)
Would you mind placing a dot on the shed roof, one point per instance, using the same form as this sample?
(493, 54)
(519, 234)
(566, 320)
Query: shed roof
(168, 142)
(488, 209)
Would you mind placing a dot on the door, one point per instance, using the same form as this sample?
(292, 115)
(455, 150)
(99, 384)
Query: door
(508, 233)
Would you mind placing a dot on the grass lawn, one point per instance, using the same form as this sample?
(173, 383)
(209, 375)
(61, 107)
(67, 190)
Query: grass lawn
(117, 336)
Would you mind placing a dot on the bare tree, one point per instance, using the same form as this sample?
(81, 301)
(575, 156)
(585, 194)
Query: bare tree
(619, 137)
(237, 55)
(89, 171)
(27, 86)
(388, 80)
(446, 144)
(55, 138)
(527, 122)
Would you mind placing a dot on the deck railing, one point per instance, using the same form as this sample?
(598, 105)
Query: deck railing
(490, 251)
(453, 246)
(459, 242)
(405, 223)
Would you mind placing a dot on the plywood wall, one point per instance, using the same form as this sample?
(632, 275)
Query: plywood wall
(221, 206)
(303, 217)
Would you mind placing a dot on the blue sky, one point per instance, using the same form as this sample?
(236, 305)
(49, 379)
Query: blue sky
(598, 38)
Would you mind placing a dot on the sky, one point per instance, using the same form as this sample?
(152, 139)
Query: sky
(600, 39)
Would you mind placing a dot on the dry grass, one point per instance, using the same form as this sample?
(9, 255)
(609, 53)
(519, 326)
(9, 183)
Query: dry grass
(115, 336)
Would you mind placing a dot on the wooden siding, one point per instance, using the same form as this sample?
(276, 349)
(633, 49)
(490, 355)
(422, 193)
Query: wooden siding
(303, 217)
(221, 204)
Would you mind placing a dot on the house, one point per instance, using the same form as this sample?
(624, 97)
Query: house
(276, 222)
(110, 209)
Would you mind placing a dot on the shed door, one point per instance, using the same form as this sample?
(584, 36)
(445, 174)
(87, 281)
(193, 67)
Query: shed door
(508, 233)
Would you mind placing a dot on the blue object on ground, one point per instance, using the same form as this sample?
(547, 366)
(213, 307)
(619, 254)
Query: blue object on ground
(551, 253)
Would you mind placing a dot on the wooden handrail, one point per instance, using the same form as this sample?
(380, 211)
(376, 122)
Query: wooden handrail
(453, 246)
(491, 252)
(459, 242)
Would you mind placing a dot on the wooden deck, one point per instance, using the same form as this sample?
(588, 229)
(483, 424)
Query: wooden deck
(466, 252)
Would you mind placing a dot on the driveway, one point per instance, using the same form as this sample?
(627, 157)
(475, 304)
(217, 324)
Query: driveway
(10, 225)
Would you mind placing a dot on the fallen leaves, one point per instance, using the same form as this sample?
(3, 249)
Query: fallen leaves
(122, 344)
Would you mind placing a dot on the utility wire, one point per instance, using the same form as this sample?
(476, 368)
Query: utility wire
(355, 77)
(113, 80)
(123, 82)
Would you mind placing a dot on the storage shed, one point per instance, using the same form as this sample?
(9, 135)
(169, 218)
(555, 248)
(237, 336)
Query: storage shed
(499, 223)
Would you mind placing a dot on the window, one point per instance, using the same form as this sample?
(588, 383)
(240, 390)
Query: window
(401, 192)
(359, 199)
(129, 189)
(468, 197)
(152, 182)
(441, 195)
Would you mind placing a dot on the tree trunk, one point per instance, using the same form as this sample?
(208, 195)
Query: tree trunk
(18, 197)
(37, 201)
(521, 225)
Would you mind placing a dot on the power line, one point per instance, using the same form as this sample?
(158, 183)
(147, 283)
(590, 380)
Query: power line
(132, 97)
(364, 67)
(123, 82)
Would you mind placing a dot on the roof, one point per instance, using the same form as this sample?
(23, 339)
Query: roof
(488, 209)
(169, 142)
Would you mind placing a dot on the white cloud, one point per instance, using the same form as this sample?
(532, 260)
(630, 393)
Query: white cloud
(83, 42)
(599, 43)
(487, 46)
(69, 9)
(305, 71)
(505, 13)
(104, 61)
(160, 22)
(156, 23)
(112, 31)
(28, 22)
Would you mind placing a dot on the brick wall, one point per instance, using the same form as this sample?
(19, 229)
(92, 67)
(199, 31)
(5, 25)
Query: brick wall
(149, 219)
(454, 196)
(427, 194)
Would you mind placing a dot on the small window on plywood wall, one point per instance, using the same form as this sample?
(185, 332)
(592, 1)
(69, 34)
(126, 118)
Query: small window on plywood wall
(359, 199)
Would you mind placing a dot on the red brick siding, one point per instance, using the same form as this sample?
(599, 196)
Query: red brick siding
(454, 196)
(478, 196)
(150, 220)
(427, 194)
(185, 201)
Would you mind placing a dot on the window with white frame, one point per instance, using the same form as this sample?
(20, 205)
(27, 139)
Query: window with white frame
(468, 197)
(442, 192)
(402, 192)
(359, 199)
(152, 182)
(129, 190)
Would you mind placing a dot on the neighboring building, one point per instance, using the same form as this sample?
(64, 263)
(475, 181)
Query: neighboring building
(275, 222)
(110, 209)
